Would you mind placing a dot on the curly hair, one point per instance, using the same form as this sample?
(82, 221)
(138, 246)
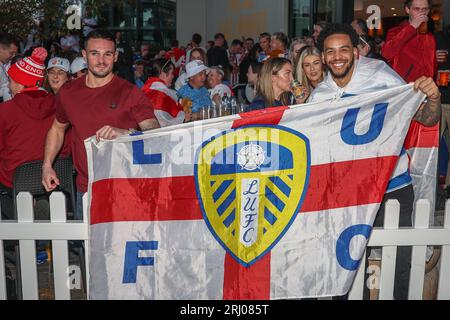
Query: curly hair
(337, 28)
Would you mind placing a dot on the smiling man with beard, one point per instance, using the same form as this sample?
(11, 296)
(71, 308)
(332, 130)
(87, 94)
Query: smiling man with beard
(98, 103)
(350, 75)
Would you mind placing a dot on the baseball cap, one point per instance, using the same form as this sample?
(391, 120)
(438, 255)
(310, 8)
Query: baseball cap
(77, 65)
(195, 67)
(57, 62)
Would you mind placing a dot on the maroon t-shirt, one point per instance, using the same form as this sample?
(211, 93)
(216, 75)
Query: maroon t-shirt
(119, 104)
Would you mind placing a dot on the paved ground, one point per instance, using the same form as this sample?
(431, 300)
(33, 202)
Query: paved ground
(45, 280)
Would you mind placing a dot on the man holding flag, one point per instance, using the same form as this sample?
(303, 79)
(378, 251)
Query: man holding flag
(350, 75)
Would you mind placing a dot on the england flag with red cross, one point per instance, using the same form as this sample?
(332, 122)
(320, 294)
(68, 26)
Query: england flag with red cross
(271, 204)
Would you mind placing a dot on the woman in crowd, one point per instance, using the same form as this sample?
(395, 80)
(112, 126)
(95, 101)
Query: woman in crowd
(253, 77)
(163, 99)
(310, 69)
(296, 46)
(215, 81)
(195, 54)
(58, 73)
(274, 86)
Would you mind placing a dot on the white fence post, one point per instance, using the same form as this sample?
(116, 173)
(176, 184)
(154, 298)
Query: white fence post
(419, 253)
(27, 247)
(444, 270)
(60, 248)
(357, 290)
(389, 256)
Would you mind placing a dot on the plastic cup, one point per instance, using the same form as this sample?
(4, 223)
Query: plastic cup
(443, 78)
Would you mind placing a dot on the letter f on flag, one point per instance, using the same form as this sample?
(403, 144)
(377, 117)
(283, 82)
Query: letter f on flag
(132, 259)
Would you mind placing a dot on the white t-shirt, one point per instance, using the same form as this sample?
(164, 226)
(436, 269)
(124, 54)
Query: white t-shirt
(221, 90)
(4, 83)
(370, 75)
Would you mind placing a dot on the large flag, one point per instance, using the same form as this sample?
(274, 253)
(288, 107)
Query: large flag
(273, 204)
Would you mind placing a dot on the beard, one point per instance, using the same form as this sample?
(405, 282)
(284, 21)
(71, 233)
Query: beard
(343, 74)
(102, 74)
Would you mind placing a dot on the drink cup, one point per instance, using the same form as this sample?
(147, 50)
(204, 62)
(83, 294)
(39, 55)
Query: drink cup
(298, 90)
(442, 56)
(423, 28)
(443, 78)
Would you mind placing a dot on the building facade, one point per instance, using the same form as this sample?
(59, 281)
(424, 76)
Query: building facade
(249, 18)
(160, 21)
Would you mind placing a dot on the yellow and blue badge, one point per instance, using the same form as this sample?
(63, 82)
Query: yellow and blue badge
(251, 183)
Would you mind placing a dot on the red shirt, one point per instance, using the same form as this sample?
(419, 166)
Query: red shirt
(119, 104)
(24, 124)
(410, 54)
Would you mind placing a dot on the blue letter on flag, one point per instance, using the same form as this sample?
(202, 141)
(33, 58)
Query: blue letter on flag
(343, 245)
(348, 133)
(132, 259)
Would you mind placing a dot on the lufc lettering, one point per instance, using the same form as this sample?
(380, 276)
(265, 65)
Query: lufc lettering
(249, 214)
(250, 196)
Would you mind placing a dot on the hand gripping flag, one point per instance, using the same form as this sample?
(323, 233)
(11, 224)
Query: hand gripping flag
(273, 204)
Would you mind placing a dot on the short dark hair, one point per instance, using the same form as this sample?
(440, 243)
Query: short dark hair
(250, 39)
(322, 24)
(100, 34)
(408, 3)
(337, 28)
(265, 35)
(219, 35)
(174, 43)
(7, 39)
(236, 42)
(197, 38)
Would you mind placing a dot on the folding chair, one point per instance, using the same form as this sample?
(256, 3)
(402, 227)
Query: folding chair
(28, 178)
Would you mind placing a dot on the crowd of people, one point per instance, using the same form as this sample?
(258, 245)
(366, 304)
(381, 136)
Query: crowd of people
(52, 104)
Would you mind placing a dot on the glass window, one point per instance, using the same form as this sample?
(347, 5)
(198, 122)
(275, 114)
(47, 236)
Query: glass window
(300, 21)
(326, 10)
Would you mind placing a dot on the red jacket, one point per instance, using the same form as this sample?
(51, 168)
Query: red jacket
(24, 124)
(409, 53)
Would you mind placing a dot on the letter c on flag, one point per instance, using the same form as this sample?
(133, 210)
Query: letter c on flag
(343, 245)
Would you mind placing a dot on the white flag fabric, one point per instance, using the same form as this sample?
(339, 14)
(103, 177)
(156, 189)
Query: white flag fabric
(272, 204)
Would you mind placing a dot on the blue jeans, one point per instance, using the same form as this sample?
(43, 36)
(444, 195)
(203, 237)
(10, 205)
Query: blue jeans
(78, 214)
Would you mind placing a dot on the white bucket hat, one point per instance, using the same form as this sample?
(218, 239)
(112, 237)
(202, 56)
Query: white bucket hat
(77, 65)
(195, 67)
(57, 62)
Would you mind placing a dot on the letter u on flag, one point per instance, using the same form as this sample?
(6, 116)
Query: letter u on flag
(272, 204)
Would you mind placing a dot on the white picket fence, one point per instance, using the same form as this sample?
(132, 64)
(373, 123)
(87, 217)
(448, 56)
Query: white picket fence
(59, 230)
(419, 238)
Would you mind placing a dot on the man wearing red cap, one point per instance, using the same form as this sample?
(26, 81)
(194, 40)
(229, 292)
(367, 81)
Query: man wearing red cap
(99, 103)
(24, 122)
